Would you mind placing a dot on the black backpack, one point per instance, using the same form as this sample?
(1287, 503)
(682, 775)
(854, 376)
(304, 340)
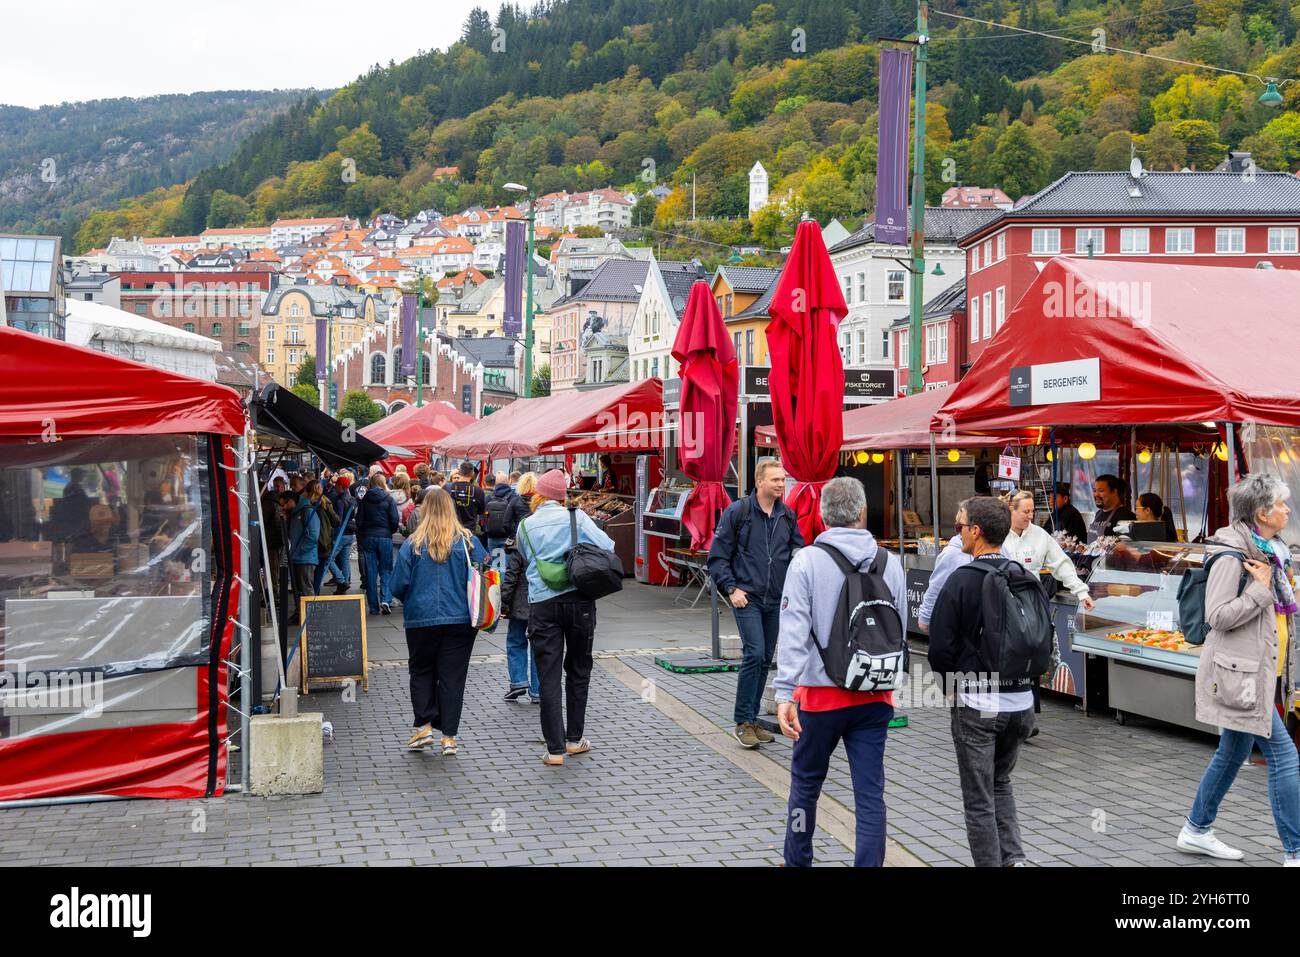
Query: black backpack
(1018, 632)
(593, 571)
(1191, 598)
(494, 519)
(867, 646)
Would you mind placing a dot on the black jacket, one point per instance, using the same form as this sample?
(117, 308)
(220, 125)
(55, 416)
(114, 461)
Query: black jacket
(469, 501)
(341, 498)
(503, 493)
(1072, 523)
(520, 508)
(377, 514)
(514, 588)
(956, 626)
(754, 555)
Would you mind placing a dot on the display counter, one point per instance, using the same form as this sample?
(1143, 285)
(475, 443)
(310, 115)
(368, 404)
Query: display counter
(615, 515)
(1150, 669)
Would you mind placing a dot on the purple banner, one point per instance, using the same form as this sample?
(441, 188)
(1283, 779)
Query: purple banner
(891, 155)
(512, 313)
(322, 350)
(409, 346)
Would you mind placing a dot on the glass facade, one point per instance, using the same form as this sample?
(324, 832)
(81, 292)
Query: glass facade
(31, 278)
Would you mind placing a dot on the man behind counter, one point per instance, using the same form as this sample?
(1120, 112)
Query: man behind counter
(1109, 492)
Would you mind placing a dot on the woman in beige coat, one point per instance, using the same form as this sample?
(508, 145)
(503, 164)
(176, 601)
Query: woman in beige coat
(1245, 668)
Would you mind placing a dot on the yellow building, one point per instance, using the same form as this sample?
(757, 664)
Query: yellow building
(743, 294)
(288, 326)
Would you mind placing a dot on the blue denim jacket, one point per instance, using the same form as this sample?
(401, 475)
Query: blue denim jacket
(548, 534)
(434, 593)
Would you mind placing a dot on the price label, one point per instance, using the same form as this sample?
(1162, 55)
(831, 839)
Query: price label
(1009, 467)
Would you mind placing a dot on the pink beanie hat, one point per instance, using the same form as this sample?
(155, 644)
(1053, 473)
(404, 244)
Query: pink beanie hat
(553, 485)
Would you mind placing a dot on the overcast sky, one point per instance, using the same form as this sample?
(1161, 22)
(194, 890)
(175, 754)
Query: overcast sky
(70, 50)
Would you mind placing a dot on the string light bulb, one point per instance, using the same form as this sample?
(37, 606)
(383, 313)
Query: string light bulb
(1144, 456)
(862, 458)
(954, 455)
(877, 457)
(1087, 451)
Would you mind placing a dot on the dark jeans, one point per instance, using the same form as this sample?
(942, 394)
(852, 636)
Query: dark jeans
(562, 634)
(987, 749)
(438, 663)
(377, 551)
(759, 625)
(304, 580)
(863, 729)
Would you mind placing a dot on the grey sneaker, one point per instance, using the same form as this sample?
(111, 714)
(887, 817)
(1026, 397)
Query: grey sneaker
(1189, 842)
(744, 733)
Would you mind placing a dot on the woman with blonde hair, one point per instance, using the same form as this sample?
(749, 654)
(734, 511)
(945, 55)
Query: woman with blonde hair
(522, 504)
(431, 578)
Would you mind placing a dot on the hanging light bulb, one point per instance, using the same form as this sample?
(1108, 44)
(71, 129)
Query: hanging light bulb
(1049, 455)
(877, 457)
(1144, 456)
(954, 455)
(1087, 451)
(862, 457)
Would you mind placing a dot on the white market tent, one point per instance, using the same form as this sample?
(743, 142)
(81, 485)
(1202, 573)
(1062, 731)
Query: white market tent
(128, 336)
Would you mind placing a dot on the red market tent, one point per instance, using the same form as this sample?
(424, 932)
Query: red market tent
(117, 478)
(1171, 344)
(416, 428)
(900, 424)
(610, 419)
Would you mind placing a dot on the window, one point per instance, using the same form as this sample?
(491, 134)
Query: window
(896, 285)
(270, 355)
(188, 327)
(862, 347)
(988, 315)
(735, 341)
(654, 368)
(270, 333)
(1046, 242)
(731, 299)
(1082, 237)
(975, 319)
(1002, 246)
(988, 252)
(378, 369)
(884, 344)
(293, 378)
(243, 329)
(139, 308)
(295, 310)
(216, 329)
(242, 347)
(936, 343)
(862, 287)
(1002, 306)
(975, 259)
(904, 353)
(1181, 240)
(749, 347)
(1135, 242)
(1281, 239)
(848, 290)
(845, 347)
(1230, 240)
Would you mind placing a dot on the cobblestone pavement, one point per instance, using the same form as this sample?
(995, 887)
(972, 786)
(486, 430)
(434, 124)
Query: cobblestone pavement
(1089, 791)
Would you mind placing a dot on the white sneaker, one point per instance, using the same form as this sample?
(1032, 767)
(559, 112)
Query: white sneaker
(1291, 861)
(1190, 842)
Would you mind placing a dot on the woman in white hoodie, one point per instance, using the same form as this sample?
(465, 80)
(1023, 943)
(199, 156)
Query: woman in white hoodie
(1030, 545)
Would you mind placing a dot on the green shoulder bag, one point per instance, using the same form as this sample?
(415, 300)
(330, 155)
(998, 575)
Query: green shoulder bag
(555, 575)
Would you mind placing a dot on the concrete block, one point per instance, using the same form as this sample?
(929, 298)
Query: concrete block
(769, 697)
(287, 755)
(731, 647)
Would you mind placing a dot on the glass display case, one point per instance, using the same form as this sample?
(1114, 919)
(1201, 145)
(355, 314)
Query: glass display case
(663, 513)
(1150, 668)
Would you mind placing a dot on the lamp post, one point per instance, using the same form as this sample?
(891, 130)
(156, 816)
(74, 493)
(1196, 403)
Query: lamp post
(528, 288)
(419, 337)
(914, 383)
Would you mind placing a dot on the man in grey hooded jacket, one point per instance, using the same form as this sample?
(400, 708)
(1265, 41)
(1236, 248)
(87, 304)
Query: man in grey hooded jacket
(811, 708)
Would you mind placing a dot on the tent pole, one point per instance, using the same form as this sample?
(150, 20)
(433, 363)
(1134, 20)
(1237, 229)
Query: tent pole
(1182, 497)
(245, 610)
(934, 490)
(1231, 435)
(898, 503)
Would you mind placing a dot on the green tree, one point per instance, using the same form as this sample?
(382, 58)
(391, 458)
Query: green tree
(1201, 138)
(1284, 131)
(307, 369)
(824, 194)
(1161, 149)
(363, 148)
(308, 393)
(226, 209)
(360, 408)
(542, 380)
(1018, 165)
(1113, 152)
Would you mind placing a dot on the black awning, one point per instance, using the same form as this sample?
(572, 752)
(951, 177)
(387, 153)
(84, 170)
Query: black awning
(278, 411)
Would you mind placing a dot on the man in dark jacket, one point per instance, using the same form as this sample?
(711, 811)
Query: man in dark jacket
(752, 547)
(377, 520)
(1071, 519)
(496, 519)
(467, 496)
(340, 497)
(992, 717)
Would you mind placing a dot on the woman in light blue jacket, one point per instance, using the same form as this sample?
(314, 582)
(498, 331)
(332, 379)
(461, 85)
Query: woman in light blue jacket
(431, 578)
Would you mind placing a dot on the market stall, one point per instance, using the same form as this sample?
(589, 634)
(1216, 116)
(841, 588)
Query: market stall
(417, 429)
(120, 575)
(624, 421)
(1137, 359)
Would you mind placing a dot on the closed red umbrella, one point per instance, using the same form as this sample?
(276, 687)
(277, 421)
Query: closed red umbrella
(807, 377)
(707, 417)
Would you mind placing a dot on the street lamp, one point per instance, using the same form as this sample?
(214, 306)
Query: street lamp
(1270, 96)
(528, 287)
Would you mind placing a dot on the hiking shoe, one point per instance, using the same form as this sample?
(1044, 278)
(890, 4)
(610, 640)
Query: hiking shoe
(1189, 842)
(744, 733)
(553, 760)
(386, 609)
(421, 738)
(514, 694)
(341, 587)
(577, 747)
(448, 747)
(764, 736)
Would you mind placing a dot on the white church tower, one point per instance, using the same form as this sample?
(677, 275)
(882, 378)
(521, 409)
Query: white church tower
(757, 188)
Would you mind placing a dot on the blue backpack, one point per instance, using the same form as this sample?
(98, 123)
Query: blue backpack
(1191, 598)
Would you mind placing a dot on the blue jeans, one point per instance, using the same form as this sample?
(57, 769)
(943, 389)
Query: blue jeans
(519, 658)
(497, 552)
(377, 550)
(341, 567)
(1283, 781)
(759, 626)
(863, 729)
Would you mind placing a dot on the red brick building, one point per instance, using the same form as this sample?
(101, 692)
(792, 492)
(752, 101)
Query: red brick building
(221, 305)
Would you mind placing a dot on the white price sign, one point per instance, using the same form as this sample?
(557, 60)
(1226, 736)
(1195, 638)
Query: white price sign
(1009, 467)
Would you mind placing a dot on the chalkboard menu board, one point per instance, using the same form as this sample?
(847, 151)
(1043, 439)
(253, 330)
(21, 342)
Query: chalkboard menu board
(333, 642)
(918, 580)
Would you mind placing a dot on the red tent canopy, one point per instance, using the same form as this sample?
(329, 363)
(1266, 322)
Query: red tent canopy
(418, 427)
(1174, 343)
(610, 419)
(899, 424)
(49, 385)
